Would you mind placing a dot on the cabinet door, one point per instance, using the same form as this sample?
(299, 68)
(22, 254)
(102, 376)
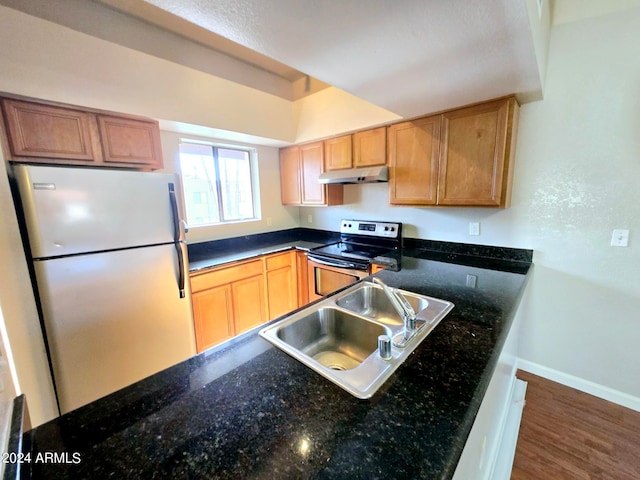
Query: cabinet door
(281, 291)
(212, 316)
(370, 147)
(302, 278)
(130, 141)
(48, 132)
(337, 153)
(375, 268)
(290, 176)
(312, 158)
(248, 303)
(413, 161)
(311, 166)
(473, 160)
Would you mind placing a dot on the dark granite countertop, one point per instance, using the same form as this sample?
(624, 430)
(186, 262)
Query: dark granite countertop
(218, 252)
(247, 410)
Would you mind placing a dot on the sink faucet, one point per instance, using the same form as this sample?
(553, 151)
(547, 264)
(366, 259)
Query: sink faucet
(404, 309)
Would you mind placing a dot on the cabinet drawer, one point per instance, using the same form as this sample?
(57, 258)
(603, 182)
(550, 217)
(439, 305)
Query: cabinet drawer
(279, 260)
(225, 275)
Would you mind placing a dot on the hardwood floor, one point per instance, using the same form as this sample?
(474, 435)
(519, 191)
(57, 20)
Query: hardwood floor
(568, 434)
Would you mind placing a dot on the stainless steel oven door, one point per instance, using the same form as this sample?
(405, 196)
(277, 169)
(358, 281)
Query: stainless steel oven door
(326, 276)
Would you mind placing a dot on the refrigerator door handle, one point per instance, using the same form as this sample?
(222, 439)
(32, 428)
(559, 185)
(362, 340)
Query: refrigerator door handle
(177, 239)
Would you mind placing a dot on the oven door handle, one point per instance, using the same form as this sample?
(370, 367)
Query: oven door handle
(336, 264)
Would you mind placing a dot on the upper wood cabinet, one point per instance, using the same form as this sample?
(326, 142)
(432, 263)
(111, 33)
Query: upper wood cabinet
(337, 153)
(413, 161)
(370, 147)
(362, 149)
(463, 157)
(312, 161)
(129, 141)
(290, 188)
(475, 159)
(300, 168)
(58, 134)
(49, 132)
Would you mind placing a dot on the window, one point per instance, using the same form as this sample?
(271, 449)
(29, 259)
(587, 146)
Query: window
(217, 183)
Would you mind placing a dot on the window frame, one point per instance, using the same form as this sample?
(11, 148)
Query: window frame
(253, 178)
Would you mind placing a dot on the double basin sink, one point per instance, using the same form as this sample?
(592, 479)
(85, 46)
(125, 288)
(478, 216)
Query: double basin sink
(338, 337)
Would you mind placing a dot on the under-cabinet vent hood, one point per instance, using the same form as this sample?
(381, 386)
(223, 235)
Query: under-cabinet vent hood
(356, 175)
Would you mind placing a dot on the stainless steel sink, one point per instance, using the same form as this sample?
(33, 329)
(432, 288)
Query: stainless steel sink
(332, 337)
(338, 337)
(371, 301)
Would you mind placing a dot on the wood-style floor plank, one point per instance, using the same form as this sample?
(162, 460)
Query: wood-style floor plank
(568, 434)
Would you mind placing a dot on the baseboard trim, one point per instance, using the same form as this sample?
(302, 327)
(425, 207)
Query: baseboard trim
(586, 386)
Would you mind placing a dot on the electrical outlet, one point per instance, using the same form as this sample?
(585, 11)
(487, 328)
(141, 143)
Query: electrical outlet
(310, 218)
(474, 228)
(472, 280)
(269, 221)
(620, 238)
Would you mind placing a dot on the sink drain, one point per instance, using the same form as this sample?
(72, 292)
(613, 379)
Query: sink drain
(336, 360)
(335, 367)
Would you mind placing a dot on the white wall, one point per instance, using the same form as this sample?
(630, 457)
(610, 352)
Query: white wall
(44, 60)
(332, 112)
(576, 179)
(8, 390)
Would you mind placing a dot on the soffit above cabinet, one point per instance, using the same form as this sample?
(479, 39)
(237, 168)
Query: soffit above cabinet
(405, 57)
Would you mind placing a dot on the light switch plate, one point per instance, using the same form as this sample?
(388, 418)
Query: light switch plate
(620, 238)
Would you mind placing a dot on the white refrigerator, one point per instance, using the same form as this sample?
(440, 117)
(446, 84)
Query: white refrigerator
(110, 268)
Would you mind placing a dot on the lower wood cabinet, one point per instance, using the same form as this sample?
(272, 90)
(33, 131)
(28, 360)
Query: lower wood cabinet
(282, 286)
(212, 316)
(232, 299)
(302, 264)
(375, 268)
(247, 298)
(227, 300)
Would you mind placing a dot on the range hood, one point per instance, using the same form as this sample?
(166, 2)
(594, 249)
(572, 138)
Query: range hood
(356, 175)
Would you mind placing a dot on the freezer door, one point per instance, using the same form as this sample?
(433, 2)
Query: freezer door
(79, 210)
(112, 319)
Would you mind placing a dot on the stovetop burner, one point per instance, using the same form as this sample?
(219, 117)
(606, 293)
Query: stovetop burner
(363, 240)
(352, 250)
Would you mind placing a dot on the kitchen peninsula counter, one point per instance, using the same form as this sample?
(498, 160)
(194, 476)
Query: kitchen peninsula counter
(245, 409)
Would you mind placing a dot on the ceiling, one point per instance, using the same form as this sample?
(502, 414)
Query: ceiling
(410, 57)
